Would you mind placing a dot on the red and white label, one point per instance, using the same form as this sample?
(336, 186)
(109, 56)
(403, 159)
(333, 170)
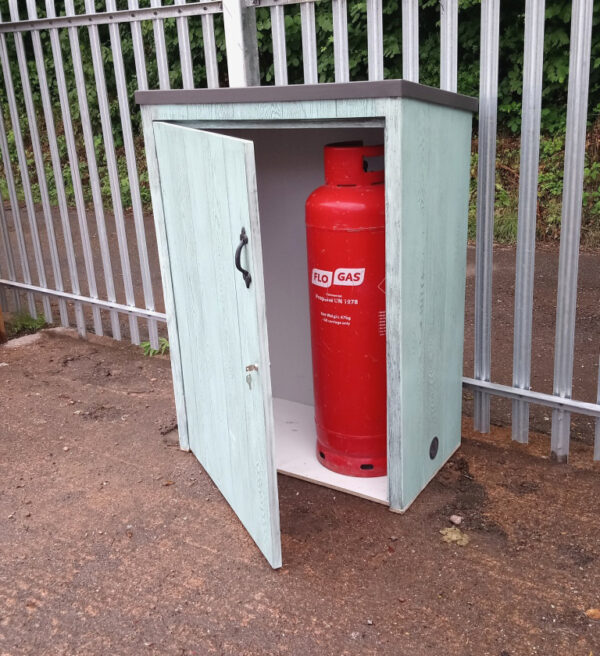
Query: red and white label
(343, 277)
(349, 277)
(322, 278)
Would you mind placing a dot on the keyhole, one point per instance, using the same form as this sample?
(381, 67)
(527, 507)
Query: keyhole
(249, 381)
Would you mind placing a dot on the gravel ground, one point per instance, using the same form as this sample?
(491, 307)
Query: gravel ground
(113, 541)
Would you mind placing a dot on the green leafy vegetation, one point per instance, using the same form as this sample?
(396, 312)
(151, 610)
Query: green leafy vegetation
(512, 16)
(550, 187)
(556, 70)
(22, 323)
(163, 347)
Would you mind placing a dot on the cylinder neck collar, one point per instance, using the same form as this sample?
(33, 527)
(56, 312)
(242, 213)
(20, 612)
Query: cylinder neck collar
(345, 164)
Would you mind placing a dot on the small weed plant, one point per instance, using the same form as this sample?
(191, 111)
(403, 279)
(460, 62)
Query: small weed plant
(163, 347)
(23, 323)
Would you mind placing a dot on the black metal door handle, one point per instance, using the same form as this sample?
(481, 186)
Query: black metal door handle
(238, 254)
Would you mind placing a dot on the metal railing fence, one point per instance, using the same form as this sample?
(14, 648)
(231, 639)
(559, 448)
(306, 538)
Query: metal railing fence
(63, 161)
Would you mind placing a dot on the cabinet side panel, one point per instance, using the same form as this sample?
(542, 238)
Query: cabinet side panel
(167, 283)
(430, 254)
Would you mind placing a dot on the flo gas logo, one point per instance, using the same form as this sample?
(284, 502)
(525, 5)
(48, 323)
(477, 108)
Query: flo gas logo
(322, 278)
(344, 277)
(349, 277)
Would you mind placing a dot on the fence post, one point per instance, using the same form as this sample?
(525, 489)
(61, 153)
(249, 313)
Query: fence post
(241, 44)
(410, 40)
(309, 43)
(597, 432)
(568, 259)
(486, 186)
(528, 192)
(449, 45)
(375, 38)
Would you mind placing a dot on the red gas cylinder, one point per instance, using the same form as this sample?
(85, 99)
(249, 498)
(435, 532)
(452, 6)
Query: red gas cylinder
(345, 231)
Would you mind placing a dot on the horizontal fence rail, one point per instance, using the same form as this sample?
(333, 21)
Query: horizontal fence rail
(77, 243)
(108, 305)
(155, 12)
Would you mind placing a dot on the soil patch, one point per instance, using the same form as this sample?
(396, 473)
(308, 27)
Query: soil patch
(114, 542)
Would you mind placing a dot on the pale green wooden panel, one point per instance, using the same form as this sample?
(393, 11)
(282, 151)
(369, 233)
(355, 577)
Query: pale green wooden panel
(167, 281)
(427, 181)
(285, 111)
(208, 192)
(427, 172)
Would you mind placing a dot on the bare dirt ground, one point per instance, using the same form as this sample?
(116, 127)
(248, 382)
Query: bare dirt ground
(113, 541)
(587, 332)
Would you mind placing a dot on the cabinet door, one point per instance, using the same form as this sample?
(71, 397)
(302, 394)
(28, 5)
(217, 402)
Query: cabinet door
(208, 189)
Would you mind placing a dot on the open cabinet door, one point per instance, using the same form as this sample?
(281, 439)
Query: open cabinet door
(208, 187)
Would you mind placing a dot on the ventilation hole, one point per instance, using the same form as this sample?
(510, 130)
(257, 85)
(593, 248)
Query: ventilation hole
(322, 454)
(366, 466)
(433, 448)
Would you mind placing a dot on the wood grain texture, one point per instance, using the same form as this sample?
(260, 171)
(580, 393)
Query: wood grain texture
(167, 281)
(209, 194)
(302, 110)
(427, 186)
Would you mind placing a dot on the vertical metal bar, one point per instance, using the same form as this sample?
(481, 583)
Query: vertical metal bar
(566, 302)
(597, 435)
(142, 83)
(23, 168)
(410, 40)
(57, 170)
(39, 167)
(241, 44)
(375, 38)
(56, 166)
(340, 40)
(3, 299)
(309, 43)
(278, 36)
(210, 51)
(138, 49)
(16, 216)
(185, 54)
(161, 49)
(486, 181)
(448, 44)
(111, 162)
(88, 139)
(163, 82)
(132, 172)
(8, 254)
(533, 60)
(74, 169)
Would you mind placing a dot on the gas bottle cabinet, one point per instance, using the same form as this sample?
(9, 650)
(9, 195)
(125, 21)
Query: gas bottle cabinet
(231, 274)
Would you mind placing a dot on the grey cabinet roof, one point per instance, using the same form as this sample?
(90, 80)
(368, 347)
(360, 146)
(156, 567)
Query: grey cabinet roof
(303, 92)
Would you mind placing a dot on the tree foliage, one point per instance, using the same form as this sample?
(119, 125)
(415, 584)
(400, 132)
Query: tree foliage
(556, 53)
(554, 100)
(512, 17)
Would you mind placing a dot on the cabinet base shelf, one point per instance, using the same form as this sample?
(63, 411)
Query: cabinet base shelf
(295, 439)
